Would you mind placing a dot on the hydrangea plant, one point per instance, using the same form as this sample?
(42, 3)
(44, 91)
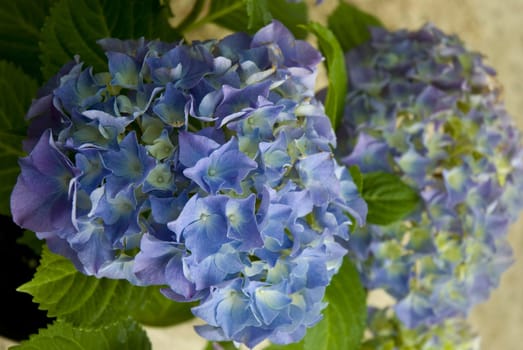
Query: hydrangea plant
(424, 107)
(204, 167)
(207, 170)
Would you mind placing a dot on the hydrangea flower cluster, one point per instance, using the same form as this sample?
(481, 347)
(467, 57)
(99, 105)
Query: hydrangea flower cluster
(425, 108)
(206, 168)
(386, 332)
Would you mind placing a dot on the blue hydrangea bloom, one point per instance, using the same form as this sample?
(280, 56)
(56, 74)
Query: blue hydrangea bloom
(425, 108)
(386, 332)
(204, 168)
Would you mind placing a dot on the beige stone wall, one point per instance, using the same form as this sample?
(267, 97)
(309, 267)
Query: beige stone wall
(494, 28)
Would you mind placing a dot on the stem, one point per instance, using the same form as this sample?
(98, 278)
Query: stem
(213, 16)
(192, 128)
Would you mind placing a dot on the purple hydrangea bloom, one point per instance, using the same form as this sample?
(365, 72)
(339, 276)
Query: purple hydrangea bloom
(425, 108)
(43, 192)
(204, 168)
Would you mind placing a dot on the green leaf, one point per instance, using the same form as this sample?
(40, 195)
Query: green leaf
(357, 177)
(389, 199)
(222, 344)
(20, 24)
(344, 318)
(350, 25)
(233, 15)
(74, 26)
(79, 299)
(292, 15)
(337, 73)
(125, 335)
(159, 311)
(10, 151)
(147, 18)
(258, 13)
(16, 92)
(293, 346)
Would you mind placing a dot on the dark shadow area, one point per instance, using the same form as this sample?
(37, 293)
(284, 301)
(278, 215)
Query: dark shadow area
(19, 316)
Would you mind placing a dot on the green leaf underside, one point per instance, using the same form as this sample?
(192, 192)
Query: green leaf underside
(124, 335)
(337, 73)
(74, 26)
(16, 92)
(91, 302)
(241, 17)
(350, 25)
(20, 23)
(389, 199)
(344, 318)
